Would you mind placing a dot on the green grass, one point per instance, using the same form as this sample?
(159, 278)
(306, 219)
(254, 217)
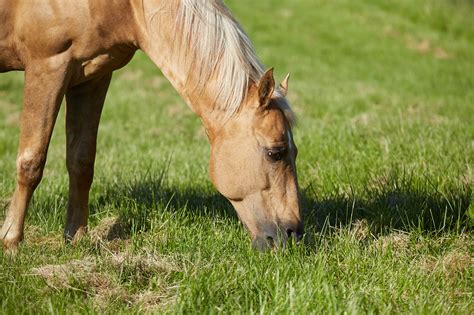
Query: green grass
(384, 91)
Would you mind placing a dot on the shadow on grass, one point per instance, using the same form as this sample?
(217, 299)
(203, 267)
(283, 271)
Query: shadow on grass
(398, 202)
(146, 197)
(393, 202)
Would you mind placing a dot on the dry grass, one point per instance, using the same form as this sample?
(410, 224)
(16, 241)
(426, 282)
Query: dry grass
(360, 230)
(96, 277)
(397, 241)
(69, 274)
(109, 276)
(451, 264)
(109, 229)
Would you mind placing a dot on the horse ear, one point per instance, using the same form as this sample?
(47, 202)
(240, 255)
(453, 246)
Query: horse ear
(266, 86)
(284, 85)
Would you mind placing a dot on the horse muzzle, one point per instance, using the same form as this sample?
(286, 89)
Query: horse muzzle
(278, 236)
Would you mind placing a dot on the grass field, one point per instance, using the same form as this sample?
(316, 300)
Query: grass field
(384, 92)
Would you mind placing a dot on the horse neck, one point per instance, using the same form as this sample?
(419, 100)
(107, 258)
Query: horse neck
(156, 21)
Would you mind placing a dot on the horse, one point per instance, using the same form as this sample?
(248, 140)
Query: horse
(70, 49)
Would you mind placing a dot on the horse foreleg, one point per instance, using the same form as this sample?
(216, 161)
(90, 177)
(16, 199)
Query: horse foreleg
(44, 89)
(83, 109)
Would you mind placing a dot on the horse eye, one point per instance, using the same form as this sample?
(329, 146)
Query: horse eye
(276, 154)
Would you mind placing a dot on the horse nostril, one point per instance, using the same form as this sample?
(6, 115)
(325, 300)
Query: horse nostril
(298, 235)
(289, 233)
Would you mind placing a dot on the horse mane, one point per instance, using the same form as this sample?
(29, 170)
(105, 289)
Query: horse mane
(211, 44)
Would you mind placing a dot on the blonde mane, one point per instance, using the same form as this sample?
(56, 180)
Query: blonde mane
(214, 45)
(216, 54)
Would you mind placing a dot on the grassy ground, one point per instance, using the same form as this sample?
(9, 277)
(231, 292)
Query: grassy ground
(384, 91)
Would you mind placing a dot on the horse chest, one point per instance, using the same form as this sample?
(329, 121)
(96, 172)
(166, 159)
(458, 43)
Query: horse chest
(8, 57)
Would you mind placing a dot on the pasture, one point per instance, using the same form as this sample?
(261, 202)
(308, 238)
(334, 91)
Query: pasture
(384, 95)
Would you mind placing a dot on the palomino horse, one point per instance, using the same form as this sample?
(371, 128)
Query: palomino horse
(70, 48)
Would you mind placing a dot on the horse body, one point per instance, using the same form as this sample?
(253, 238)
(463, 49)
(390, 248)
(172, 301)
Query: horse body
(86, 32)
(70, 48)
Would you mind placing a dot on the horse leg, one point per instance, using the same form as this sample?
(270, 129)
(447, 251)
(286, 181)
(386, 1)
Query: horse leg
(44, 89)
(83, 109)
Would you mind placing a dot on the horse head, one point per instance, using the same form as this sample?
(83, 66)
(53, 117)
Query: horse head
(253, 165)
